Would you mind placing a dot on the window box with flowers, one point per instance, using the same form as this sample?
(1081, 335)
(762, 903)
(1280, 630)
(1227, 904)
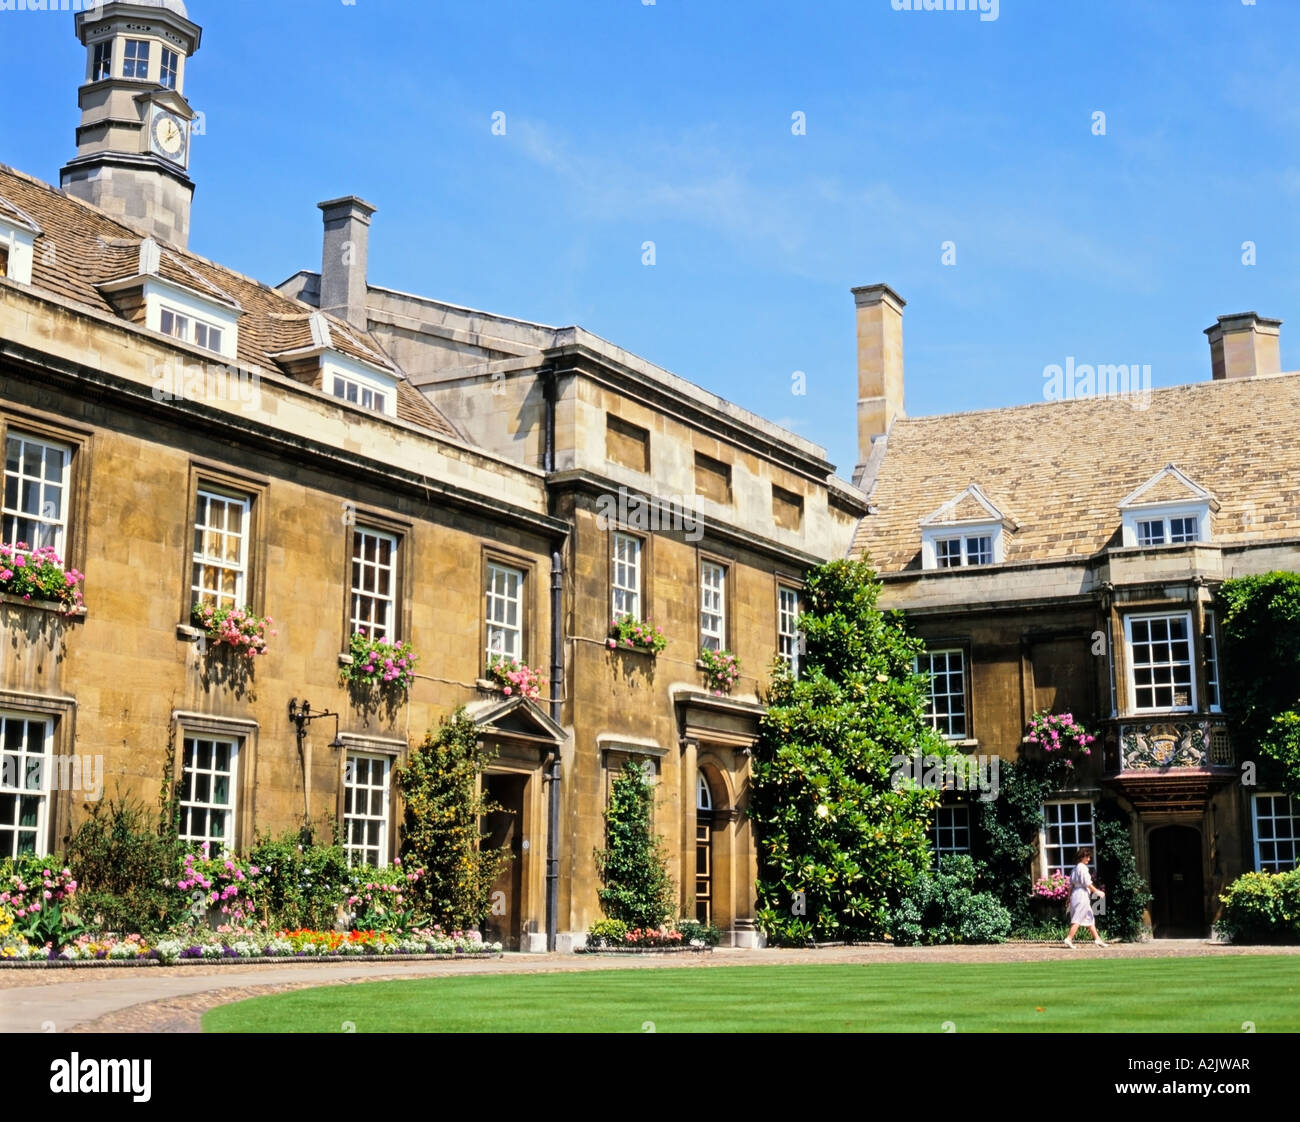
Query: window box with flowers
(38, 577)
(514, 678)
(630, 633)
(721, 670)
(241, 629)
(1060, 737)
(377, 662)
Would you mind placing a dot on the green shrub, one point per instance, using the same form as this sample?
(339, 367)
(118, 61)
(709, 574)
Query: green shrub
(839, 839)
(694, 931)
(1127, 895)
(635, 885)
(300, 885)
(442, 833)
(944, 907)
(122, 865)
(1262, 908)
(607, 933)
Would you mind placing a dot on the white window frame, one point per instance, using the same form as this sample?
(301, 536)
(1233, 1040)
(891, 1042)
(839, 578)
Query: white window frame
(966, 533)
(713, 606)
(50, 526)
(188, 328)
(212, 561)
(958, 824)
(359, 393)
(1130, 660)
(18, 238)
(625, 575)
(1213, 688)
(1292, 818)
(1134, 518)
(787, 626)
(361, 568)
(932, 715)
(15, 775)
(1066, 850)
(505, 635)
(351, 817)
(188, 803)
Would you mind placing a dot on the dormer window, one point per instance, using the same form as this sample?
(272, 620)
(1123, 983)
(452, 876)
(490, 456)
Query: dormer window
(101, 62)
(968, 530)
(190, 330)
(1168, 509)
(169, 69)
(136, 64)
(365, 396)
(1172, 531)
(18, 235)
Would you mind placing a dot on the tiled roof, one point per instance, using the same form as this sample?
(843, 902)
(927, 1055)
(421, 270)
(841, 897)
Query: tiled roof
(1063, 467)
(81, 247)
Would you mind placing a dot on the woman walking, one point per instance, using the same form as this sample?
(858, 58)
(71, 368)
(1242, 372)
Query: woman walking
(1081, 892)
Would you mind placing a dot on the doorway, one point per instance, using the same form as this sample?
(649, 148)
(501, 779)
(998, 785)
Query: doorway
(504, 830)
(1177, 883)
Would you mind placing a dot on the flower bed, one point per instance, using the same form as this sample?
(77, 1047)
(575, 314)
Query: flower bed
(612, 936)
(628, 632)
(512, 677)
(238, 628)
(247, 947)
(380, 663)
(38, 574)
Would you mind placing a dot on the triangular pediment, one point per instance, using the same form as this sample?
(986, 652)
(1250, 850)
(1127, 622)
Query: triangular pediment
(515, 716)
(969, 506)
(1168, 486)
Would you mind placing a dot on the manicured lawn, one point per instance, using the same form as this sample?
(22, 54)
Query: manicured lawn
(1124, 995)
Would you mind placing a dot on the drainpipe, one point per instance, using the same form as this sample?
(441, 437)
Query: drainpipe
(557, 685)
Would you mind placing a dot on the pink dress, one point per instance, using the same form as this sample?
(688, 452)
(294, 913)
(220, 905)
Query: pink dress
(1081, 896)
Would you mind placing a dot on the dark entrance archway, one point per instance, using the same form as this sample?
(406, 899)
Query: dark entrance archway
(1177, 883)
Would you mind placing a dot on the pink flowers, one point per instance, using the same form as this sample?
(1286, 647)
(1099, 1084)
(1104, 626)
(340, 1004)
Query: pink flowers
(1059, 734)
(1054, 887)
(239, 628)
(379, 662)
(721, 670)
(628, 631)
(39, 574)
(514, 677)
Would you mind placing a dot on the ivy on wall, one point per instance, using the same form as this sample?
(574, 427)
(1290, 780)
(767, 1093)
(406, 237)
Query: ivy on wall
(1259, 655)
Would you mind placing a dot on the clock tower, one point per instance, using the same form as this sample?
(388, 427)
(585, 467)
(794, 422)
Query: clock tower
(133, 143)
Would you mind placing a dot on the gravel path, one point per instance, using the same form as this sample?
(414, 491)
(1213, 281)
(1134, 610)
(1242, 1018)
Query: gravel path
(174, 998)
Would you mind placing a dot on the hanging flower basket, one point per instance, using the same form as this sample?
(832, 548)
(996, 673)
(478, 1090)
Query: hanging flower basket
(514, 678)
(630, 633)
(721, 670)
(377, 662)
(38, 575)
(238, 628)
(1060, 737)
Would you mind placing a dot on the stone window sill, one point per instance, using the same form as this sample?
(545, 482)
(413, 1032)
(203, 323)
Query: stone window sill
(42, 605)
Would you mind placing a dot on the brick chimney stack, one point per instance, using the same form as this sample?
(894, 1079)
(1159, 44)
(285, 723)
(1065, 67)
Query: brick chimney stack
(1244, 345)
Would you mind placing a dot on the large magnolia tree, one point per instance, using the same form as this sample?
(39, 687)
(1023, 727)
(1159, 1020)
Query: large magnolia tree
(839, 837)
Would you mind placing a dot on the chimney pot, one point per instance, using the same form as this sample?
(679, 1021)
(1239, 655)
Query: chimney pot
(344, 258)
(1244, 345)
(880, 363)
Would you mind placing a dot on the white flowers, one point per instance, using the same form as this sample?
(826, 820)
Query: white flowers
(823, 810)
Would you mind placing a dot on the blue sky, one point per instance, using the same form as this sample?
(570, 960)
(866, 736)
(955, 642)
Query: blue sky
(670, 122)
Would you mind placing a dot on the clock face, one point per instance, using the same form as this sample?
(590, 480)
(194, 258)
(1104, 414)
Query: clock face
(169, 136)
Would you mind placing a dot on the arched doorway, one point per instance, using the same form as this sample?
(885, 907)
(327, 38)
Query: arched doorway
(703, 850)
(1177, 883)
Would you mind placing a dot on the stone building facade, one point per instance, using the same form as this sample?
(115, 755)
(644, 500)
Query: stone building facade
(337, 456)
(1064, 557)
